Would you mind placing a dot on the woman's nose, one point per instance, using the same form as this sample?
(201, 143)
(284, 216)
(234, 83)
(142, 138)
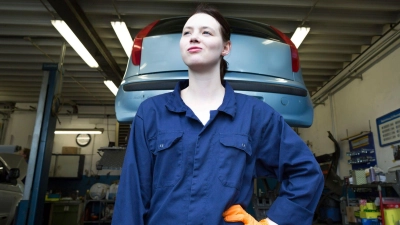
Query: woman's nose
(194, 38)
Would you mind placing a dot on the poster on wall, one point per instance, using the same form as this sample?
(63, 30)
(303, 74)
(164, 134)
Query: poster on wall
(389, 128)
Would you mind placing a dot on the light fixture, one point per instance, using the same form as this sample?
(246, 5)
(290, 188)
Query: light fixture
(299, 35)
(123, 35)
(75, 43)
(79, 131)
(111, 86)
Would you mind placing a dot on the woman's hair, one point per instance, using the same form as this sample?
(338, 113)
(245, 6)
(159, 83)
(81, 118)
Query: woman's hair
(225, 30)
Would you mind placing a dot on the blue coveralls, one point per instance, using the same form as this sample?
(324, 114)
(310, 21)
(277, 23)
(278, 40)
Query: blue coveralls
(177, 171)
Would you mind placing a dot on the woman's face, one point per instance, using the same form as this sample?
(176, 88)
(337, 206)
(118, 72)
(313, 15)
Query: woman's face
(201, 43)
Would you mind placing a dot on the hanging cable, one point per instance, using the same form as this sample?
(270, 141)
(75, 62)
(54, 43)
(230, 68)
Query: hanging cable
(61, 72)
(309, 12)
(37, 46)
(52, 15)
(115, 7)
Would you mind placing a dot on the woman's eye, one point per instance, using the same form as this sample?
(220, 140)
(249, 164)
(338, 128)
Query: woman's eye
(206, 32)
(186, 32)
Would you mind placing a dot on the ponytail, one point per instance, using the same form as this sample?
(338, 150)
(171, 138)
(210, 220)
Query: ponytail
(223, 67)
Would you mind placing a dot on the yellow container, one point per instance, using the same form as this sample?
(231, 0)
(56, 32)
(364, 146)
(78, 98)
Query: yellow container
(392, 216)
(369, 215)
(371, 206)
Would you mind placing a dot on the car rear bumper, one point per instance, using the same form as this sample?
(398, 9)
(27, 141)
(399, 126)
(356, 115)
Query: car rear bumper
(289, 98)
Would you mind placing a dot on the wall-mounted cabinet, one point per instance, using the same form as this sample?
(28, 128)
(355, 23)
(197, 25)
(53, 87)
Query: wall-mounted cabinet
(66, 166)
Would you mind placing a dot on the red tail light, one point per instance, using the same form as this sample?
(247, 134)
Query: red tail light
(293, 50)
(138, 41)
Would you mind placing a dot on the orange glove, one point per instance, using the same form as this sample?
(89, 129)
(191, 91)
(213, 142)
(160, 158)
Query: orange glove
(237, 214)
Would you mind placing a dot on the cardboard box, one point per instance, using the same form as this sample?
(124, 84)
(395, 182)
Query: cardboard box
(350, 213)
(70, 150)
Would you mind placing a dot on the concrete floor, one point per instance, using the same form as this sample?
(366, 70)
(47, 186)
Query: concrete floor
(322, 223)
(325, 224)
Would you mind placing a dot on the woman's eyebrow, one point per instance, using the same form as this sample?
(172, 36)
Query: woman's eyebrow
(203, 27)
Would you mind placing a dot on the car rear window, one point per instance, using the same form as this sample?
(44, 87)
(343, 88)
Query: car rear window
(238, 26)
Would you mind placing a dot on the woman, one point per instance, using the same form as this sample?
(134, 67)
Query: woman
(193, 153)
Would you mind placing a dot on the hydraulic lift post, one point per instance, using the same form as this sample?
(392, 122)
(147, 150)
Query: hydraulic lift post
(30, 208)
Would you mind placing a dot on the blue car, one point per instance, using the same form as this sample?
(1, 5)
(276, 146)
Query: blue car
(263, 63)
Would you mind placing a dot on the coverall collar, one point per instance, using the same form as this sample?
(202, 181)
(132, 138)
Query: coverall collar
(176, 104)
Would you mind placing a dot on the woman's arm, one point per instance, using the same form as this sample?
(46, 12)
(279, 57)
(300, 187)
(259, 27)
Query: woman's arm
(134, 191)
(284, 155)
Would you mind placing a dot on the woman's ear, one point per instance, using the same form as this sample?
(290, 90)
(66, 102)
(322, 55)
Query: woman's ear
(227, 48)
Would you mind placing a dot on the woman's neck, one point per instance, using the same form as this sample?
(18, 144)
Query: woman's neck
(205, 85)
(204, 93)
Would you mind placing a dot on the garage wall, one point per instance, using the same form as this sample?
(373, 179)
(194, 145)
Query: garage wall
(21, 125)
(352, 110)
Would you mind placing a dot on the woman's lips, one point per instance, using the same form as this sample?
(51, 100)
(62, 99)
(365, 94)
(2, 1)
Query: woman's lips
(194, 49)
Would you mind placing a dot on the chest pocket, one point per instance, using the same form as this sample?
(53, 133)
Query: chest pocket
(234, 150)
(168, 159)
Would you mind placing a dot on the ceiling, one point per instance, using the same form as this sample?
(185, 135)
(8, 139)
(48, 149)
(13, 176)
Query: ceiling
(340, 31)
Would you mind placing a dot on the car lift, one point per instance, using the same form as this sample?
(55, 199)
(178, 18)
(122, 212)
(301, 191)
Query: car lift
(30, 209)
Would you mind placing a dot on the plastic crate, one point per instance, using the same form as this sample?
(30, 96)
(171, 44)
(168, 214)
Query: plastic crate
(369, 222)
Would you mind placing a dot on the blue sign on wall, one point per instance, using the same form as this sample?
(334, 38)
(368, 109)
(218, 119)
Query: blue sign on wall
(362, 152)
(389, 128)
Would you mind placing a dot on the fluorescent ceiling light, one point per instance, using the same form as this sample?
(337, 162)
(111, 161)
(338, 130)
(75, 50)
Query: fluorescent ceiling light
(299, 35)
(79, 131)
(123, 35)
(111, 86)
(72, 40)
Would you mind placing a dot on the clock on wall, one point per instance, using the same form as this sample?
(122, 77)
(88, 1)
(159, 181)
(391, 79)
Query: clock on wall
(83, 140)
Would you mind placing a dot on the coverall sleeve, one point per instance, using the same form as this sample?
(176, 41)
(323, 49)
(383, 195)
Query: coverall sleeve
(286, 157)
(134, 190)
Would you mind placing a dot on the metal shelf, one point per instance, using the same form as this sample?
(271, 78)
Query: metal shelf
(99, 206)
(395, 186)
